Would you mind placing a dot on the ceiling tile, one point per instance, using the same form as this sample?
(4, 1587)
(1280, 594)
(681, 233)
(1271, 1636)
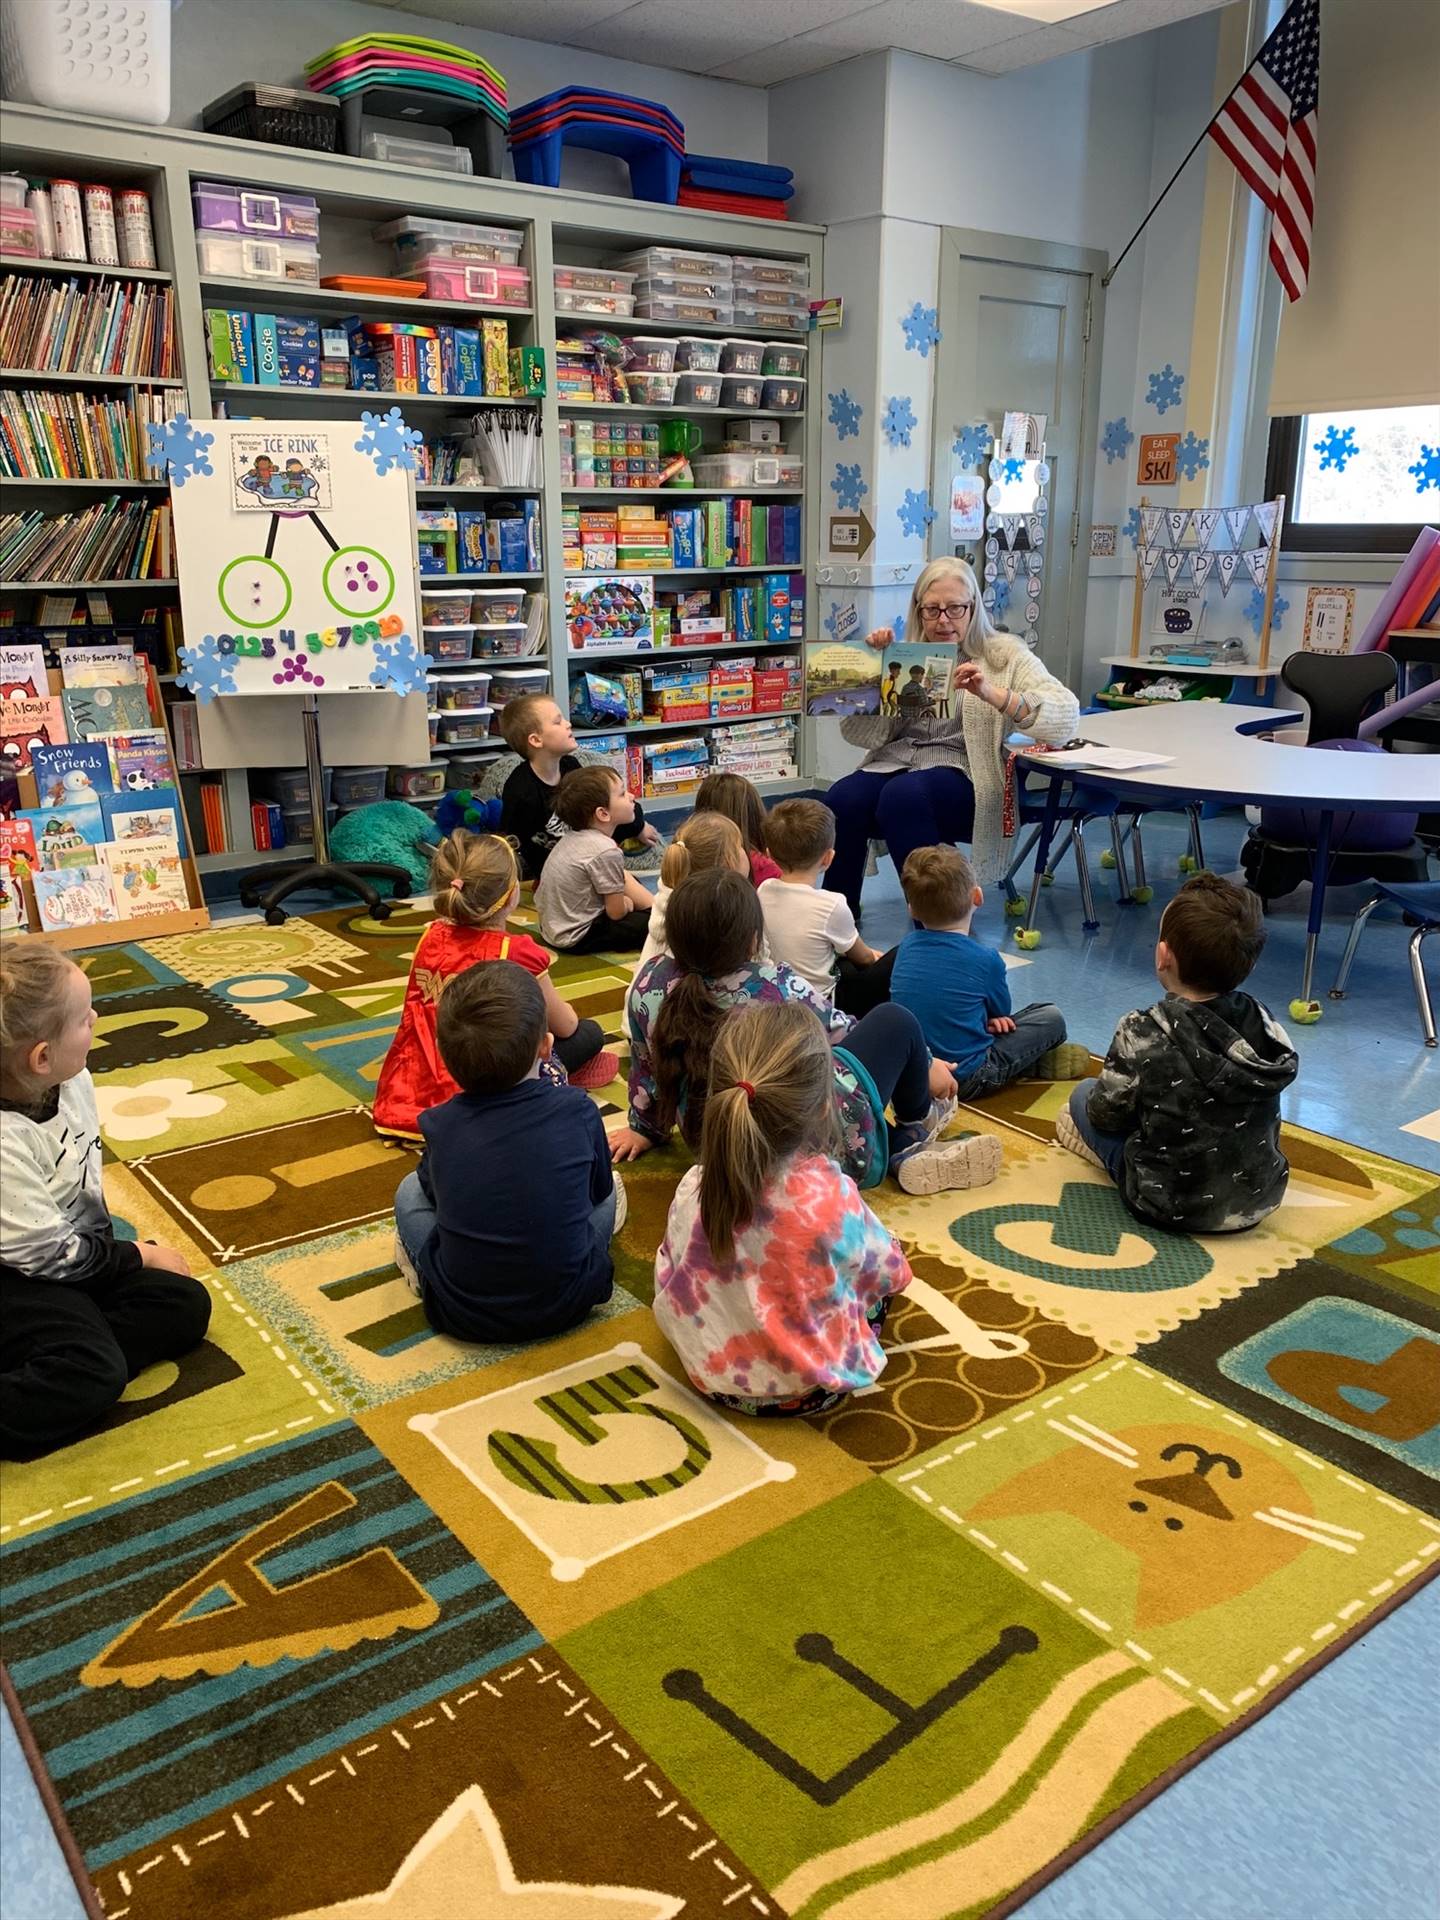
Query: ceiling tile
(787, 60)
(660, 33)
(543, 19)
(1025, 50)
(944, 29)
(1128, 17)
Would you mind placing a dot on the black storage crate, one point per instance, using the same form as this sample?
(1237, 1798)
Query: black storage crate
(282, 116)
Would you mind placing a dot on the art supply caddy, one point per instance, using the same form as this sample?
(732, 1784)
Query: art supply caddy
(429, 301)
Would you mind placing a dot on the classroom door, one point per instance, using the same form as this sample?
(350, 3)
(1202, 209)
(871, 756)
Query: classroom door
(1023, 333)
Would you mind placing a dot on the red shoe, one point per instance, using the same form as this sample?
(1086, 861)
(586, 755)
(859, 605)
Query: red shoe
(598, 1072)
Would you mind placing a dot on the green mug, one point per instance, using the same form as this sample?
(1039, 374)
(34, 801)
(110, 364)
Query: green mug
(679, 436)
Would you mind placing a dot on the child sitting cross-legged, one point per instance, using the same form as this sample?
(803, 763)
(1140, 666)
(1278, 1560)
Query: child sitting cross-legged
(536, 729)
(1185, 1117)
(812, 930)
(504, 1228)
(703, 842)
(774, 1276)
(586, 900)
(81, 1312)
(681, 1000)
(739, 800)
(476, 887)
(957, 989)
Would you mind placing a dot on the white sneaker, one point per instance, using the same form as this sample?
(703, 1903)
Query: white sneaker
(971, 1160)
(622, 1206)
(1069, 1136)
(407, 1267)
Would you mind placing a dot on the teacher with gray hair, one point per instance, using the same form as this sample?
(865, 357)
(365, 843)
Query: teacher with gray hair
(926, 779)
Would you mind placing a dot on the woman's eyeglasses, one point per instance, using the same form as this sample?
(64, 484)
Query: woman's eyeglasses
(954, 611)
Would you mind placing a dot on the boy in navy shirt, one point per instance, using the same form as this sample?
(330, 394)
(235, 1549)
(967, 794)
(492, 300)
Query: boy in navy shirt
(957, 989)
(504, 1228)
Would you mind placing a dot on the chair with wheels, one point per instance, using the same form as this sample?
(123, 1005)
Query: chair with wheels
(1420, 901)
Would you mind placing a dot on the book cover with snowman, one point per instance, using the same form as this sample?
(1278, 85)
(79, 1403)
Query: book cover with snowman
(68, 772)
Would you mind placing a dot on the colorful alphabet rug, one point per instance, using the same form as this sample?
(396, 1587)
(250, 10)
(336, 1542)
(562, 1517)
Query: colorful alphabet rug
(339, 1617)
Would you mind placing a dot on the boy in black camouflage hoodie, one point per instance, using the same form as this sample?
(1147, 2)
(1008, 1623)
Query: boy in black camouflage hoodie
(1185, 1116)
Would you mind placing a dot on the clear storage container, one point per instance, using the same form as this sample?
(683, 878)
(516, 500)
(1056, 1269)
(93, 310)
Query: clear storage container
(459, 692)
(20, 233)
(652, 389)
(605, 306)
(764, 295)
(679, 286)
(786, 359)
(244, 256)
(775, 273)
(648, 353)
(357, 786)
(709, 313)
(695, 354)
(791, 470)
(13, 187)
(449, 278)
(445, 606)
(742, 356)
(698, 389)
(593, 280)
(281, 216)
(498, 606)
(465, 771)
(289, 787)
(785, 396)
(727, 471)
(420, 233)
(449, 643)
(745, 391)
(461, 729)
(416, 783)
(508, 683)
(677, 260)
(434, 155)
(767, 319)
(299, 826)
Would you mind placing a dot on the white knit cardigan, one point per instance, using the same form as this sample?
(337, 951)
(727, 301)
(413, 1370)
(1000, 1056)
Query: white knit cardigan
(973, 740)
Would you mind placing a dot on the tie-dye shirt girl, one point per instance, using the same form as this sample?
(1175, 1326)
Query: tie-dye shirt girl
(791, 1314)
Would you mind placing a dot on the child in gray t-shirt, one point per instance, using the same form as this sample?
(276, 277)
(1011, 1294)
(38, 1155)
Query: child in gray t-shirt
(587, 901)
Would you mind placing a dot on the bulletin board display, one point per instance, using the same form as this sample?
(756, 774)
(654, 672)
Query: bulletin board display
(295, 549)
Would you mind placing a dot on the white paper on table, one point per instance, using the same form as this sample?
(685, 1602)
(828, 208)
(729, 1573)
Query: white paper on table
(1111, 759)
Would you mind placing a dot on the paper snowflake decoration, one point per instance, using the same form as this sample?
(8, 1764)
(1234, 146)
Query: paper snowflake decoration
(899, 422)
(1255, 611)
(1131, 528)
(180, 447)
(915, 513)
(204, 670)
(1011, 468)
(1164, 389)
(971, 444)
(848, 488)
(388, 441)
(897, 627)
(400, 666)
(921, 331)
(845, 415)
(1115, 439)
(831, 622)
(997, 597)
(1336, 448)
(1191, 455)
(1427, 468)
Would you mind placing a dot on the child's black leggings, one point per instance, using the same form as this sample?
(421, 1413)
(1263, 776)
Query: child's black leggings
(68, 1351)
(889, 1045)
(581, 1046)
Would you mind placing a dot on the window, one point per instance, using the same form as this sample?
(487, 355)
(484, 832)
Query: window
(1347, 478)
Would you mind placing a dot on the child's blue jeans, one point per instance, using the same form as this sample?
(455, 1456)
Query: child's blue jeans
(415, 1217)
(1109, 1146)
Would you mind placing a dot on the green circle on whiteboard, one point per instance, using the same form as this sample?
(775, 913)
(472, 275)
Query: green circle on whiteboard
(264, 584)
(358, 582)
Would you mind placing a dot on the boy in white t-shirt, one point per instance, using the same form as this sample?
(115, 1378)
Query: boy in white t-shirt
(810, 930)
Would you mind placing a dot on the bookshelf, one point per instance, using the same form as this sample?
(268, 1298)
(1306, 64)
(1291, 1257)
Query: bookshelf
(354, 197)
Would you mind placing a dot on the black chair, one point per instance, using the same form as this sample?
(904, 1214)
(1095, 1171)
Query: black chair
(1339, 689)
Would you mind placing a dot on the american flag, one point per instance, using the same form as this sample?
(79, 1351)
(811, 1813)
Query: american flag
(1268, 128)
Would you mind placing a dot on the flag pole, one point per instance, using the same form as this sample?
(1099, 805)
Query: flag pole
(1106, 278)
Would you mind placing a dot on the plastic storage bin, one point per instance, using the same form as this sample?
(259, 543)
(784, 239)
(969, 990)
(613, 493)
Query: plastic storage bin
(785, 359)
(791, 470)
(498, 606)
(648, 353)
(742, 356)
(419, 782)
(244, 256)
(19, 233)
(222, 208)
(675, 286)
(785, 396)
(122, 75)
(695, 354)
(460, 691)
(729, 471)
(592, 280)
(677, 260)
(766, 319)
(466, 770)
(743, 390)
(289, 788)
(298, 825)
(763, 295)
(357, 786)
(279, 116)
(12, 189)
(464, 729)
(775, 273)
(445, 606)
(450, 643)
(446, 278)
(607, 306)
(652, 389)
(710, 313)
(416, 234)
(698, 389)
(499, 643)
(508, 683)
(435, 156)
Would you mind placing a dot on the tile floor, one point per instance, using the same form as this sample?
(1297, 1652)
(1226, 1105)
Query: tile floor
(1317, 1813)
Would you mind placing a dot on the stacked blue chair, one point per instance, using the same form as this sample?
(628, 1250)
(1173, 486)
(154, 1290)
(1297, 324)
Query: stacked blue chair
(642, 132)
(735, 186)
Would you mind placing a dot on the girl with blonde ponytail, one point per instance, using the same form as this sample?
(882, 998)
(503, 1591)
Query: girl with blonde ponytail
(476, 885)
(701, 844)
(774, 1276)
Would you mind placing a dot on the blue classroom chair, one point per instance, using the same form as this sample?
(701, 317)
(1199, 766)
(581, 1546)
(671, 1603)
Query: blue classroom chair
(1421, 902)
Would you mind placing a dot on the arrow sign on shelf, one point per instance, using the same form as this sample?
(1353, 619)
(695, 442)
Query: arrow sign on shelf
(851, 533)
